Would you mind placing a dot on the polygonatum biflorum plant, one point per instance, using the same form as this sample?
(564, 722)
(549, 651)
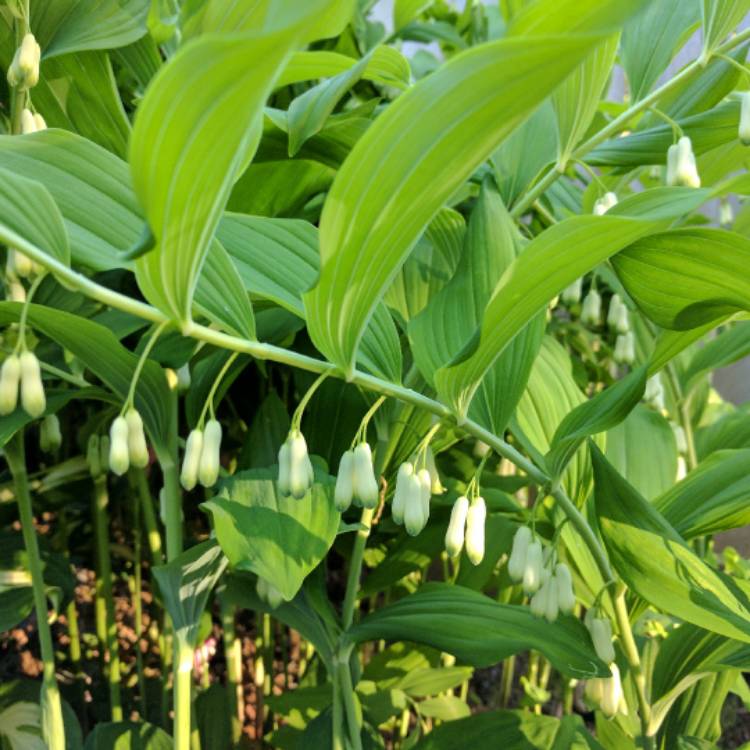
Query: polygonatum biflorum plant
(336, 367)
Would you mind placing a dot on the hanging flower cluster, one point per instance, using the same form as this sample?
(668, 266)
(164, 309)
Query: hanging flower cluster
(21, 374)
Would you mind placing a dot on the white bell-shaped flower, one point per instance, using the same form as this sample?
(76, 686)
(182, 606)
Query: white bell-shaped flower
(454, 536)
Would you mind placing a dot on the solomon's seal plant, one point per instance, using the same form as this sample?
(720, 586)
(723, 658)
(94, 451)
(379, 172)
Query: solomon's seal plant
(364, 374)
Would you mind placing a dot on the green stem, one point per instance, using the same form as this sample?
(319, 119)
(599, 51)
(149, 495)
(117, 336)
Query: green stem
(634, 662)
(172, 489)
(233, 656)
(146, 503)
(138, 607)
(105, 597)
(355, 567)
(339, 739)
(141, 362)
(352, 714)
(183, 694)
(209, 404)
(506, 686)
(52, 720)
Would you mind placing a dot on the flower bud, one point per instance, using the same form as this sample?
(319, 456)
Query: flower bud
(618, 318)
(744, 129)
(28, 124)
(32, 389)
(24, 70)
(607, 201)
(22, 266)
(425, 493)
(594, 691)
(600, 630)
(532, 574)
(686, 171)
(50, 437)
(183, 378)
(517, 559)
(571, 295)
(208, 466)
(414, 518)
(591, 311)
(192, 459)
(454, 536)
(611, 693)
(680, 439)
(16, 292)
(566, 597)
(726, 214)
(624, 349)
(538, 603)
(436, 486)
(284, 468)
(403, 483)
(300, 467)
(344, 492)
(137, 447)
(552, 602)
(10, 375)
(654, 393)
(475, 520)
(672, 152)
(39, 122)
(119, 456)
(681, 469)
(364, 481)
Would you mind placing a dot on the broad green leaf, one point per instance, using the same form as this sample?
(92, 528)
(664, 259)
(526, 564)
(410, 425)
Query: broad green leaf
(732, 344)
(432, 680)
(711, 498)
(128, 735)
(720, 17)
(419, 151)
(643, 450)
(209, 95)
(602, 412)
(511, 730)
(90, 186)
(577, 99)
(221, 295)
(28, 211)
(551, 261)
(731, 431)
(277, 259)
(450, 318)
(307, 114)
(186, 583)
(444, 708)
(405, 11)
(650, 40)
(551, 393)
(72, 25)
(670, 343)
(705, 271)
(21, 726)
(429, 267)
(707, 130)
(101, 352)
(523, 155)
(386, 65)
(93, 193)
(478, 630)
(656, 563)
(278, 538)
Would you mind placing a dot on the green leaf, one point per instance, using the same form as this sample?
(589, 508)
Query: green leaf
(656, 563)
(720, 17)
(731, 431)
(221, 296)
(72, 25)
(278, 538)
(551, 261)
(444, 707)
(28, 211)
(186, 583)
(307, 114)
(602, 412)
(704, 270)
(732, 344)
(209, 95)
(432, 680)
(650, 40)
(711, 498)
(450, 318)
(478, 630)
(420, 150)
(386, 65)
(101, 352)
(577, 99)
(128, 735)
(277, 259)
(551, 393)
(643, 450)
(405, 11)
(511, 730)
